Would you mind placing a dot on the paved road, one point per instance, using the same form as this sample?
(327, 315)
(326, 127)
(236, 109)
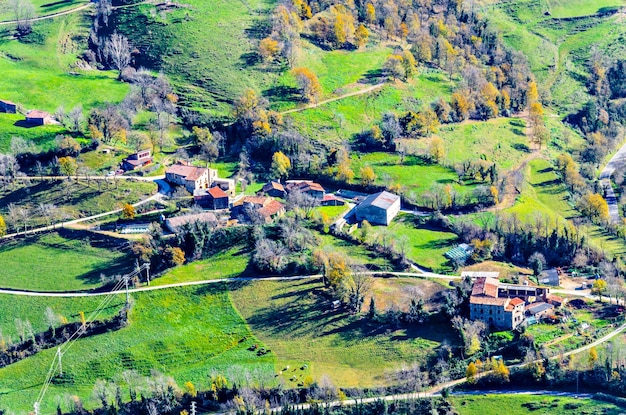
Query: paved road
(206, 282)
(617, 161)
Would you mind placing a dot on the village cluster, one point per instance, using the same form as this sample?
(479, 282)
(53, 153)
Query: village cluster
(216, 195)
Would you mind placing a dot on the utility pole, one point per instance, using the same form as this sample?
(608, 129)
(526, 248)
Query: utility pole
(60, 355)
(147, 265)
(127, 293)
(193, 407)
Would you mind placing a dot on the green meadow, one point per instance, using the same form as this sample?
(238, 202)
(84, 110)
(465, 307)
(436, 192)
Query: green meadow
(64, 261)
(187, 333)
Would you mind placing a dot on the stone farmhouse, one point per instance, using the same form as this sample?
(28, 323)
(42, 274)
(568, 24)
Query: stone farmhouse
(505, 306)
(267, 208)
(193, 178)
(313, 189)
(189, 176)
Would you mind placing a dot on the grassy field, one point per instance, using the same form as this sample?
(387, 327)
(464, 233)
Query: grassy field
(42, 7)
(559, 44)
(11, 125)
(80, 200)
(341, 120)
(338, 71)
(209, 68)
(185, 333)
(425, 246)
(332, 211)
(530, 404)
(33, 309)
(41, 75)
(544, 194)
(53, 262)
(500, 140)
(298, 324)
(231, 263)
(414, 175)
(357, 253)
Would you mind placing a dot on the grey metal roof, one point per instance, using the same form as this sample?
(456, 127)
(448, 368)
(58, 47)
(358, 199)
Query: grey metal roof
(382, 200)
(538, 308)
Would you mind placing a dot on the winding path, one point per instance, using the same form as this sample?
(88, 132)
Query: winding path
(164, 189)
(70, 11)
(616, 162)
(51, 16)
(363, 91)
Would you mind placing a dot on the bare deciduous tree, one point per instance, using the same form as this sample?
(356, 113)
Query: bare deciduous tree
(117, 50)
(23, 11)
(52, 319)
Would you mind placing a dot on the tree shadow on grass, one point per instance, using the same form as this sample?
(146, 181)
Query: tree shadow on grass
(521, 147)
(250, 58)
(283, 93)
(310, 314)
(259, 29)
(519, 132)
(373, 76)
(109, 269)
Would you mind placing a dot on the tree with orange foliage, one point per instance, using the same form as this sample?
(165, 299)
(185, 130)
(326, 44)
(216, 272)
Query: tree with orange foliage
(310, 87)
(370, 13)
(268, 49)
(361, 35)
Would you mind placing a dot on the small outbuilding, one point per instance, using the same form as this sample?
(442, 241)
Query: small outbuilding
(37, 117)
(274, 189)
(8, 106)
(139, 159)
(331, 200)
(539, 310)
(550, 277)
(379, 208)
(213, 198)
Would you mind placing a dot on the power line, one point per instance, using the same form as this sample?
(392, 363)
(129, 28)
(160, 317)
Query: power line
(65, 346)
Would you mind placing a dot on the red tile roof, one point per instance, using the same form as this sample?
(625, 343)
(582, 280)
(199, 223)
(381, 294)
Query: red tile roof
(517, 301)
(486, 287)
(273, 186)
(37, 114)
(217, 193)
(188, 172)
(271, 209)
(488, 300)
(329, 197)
(306, 186)
(257, 200)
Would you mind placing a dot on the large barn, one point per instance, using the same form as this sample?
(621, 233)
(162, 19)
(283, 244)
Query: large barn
(378, 209)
